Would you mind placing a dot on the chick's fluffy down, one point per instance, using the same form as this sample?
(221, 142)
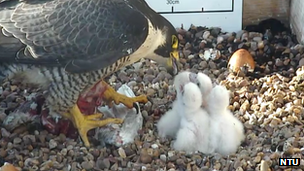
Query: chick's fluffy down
(226, 130)
(193, 133)
(169, 123)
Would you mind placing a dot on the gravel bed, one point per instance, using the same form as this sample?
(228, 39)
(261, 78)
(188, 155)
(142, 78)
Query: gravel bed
(269, 103)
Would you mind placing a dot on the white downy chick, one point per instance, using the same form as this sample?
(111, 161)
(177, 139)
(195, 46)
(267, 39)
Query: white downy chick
(194, 129)
(169, 123)
(205, 84)
(227, 131)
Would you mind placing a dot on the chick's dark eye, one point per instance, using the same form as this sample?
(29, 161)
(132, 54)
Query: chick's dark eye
(198, 84)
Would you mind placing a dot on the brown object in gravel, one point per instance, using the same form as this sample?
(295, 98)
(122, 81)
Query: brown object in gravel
(241, 62)
(8, 167)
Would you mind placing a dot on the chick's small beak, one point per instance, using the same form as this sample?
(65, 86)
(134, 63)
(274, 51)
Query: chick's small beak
(193, 77)
(173, 63)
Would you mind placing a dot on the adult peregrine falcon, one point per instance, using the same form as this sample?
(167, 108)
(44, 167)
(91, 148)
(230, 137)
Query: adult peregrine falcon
(68, 46)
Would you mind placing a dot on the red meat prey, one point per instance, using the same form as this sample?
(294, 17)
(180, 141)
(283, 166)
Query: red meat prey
(87, 103)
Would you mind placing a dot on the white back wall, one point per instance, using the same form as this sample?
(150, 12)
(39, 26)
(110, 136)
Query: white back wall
(226, 14)
(297, 19)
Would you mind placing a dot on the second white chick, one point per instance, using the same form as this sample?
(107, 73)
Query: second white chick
(205, 84)
(226, 130)
(169, 123)
(194, 129)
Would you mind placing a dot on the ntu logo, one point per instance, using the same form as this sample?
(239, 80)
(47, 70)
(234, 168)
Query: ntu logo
(289, 161)
(172, 2)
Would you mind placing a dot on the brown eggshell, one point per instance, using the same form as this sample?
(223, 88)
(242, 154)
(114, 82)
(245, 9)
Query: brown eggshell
(239, 59)
(8, 167)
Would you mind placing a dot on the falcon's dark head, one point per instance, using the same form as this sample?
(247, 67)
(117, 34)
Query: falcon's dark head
(164, 36)
(169, 49)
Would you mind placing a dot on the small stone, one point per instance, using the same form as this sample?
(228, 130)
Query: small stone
(17, 140)
(171, 154)
(264, 166)
(64, 152)
(191, 56)
(2, 116)
(154, 146)
(219, 39)
(187, 54)
(59, 158)
(114, 166)
(161, 93)
(203, 64)
(279, 62)
(301, 62)
(122, 153)
(215, 31)
(150, 92)
(274, 155)
(257, 159)
(84, 150)
(163, 157)
(145, 158)
(52, 144)
(206, 34)
(244, 36)
(103, 163)
(42, 138)
(180, 162)
(62, 138)
(257, 39)
(170, 165)
(254, 46)
(239, 169)
(212, 65)
(217, 166)
(87, 165)
(3, 153)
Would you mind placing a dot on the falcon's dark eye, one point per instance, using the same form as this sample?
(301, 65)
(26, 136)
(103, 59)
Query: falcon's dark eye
(174, 42)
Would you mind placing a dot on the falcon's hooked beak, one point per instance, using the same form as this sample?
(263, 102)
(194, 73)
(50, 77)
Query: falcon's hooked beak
(172, 63)
(174, 56)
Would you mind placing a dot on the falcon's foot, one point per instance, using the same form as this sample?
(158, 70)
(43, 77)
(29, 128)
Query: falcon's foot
(111, 95)
(84, 123)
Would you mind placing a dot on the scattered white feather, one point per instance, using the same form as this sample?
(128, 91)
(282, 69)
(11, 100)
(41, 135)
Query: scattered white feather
(120, 135)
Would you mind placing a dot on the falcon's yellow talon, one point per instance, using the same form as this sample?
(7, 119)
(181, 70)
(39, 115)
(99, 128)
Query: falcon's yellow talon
(84, 123)
(111, 95)
(94, 116)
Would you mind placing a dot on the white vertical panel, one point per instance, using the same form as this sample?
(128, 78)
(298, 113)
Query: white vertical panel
(226, 14)
(297, 18)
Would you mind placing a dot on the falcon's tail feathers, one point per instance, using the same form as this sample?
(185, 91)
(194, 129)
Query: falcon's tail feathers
(3, 74)
(8, 71)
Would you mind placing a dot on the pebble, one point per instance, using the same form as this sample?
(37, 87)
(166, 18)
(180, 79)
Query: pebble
(301, 62)
(163, 157)
(87, 165)
(103, 163)
(122, 153)
(257, 39)
(52, 144)
(171, 154)
(145, 158)
(154, 146)
(206, 35)
(17, 140)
